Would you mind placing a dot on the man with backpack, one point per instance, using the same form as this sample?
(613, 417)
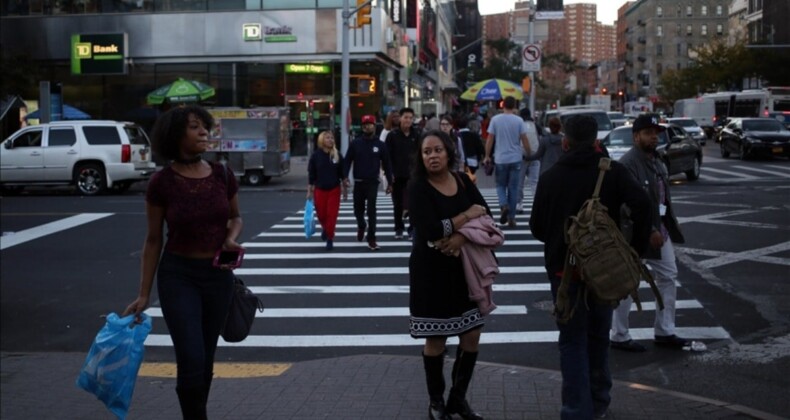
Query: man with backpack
(561, 191)
(650, 172)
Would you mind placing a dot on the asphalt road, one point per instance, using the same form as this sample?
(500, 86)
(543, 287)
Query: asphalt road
(734, 272)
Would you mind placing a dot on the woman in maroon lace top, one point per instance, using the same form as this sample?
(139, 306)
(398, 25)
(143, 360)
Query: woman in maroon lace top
(198, 202)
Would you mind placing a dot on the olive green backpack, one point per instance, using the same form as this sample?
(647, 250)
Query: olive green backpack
(604, 261)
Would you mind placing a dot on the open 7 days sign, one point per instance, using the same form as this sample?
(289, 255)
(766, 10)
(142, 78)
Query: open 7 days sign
(98, 53)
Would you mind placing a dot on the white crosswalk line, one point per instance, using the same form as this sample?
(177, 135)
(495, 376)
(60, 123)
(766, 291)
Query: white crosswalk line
(402, 243)
(369, 255)
(748, 168)
(7, 241)
(729, 173)
(389, 340)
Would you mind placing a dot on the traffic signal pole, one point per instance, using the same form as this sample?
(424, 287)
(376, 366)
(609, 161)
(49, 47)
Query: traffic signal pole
(345, 71)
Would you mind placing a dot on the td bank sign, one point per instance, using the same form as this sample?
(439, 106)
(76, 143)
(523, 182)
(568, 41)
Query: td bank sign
(98, 53)
(257, 32)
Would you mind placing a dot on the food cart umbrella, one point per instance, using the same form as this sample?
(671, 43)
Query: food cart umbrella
(180, 91)
(492, 90)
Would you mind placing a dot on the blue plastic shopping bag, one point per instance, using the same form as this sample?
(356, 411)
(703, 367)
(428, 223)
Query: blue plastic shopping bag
(309, 218)
(110, 370)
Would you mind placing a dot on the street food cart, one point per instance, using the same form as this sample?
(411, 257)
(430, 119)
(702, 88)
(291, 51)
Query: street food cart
(254, 142)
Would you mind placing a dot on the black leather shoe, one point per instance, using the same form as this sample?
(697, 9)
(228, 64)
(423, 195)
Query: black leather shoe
(437, 411)
(671, 341)
(463, 409)
(629, 345)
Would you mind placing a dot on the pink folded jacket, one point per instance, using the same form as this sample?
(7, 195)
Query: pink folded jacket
(480, 266)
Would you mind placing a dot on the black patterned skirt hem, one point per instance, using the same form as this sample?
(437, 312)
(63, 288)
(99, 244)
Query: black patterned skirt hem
(420, 327)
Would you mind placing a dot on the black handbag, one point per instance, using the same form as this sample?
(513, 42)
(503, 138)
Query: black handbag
(241, 314)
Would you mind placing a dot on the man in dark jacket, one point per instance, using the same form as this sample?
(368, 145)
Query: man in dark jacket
(561, 191)
(368, 155)
(650, 172)
(402, 146)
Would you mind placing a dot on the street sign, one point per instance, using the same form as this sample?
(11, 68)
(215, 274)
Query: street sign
(531, 55)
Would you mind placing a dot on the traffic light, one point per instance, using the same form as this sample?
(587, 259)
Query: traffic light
(604, 91)
(620, 92)
(363, 14)
(526, 84)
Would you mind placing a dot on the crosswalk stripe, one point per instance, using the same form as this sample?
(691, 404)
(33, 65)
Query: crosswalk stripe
(746, 168)
(7, 241)
(356, 271)
(360, 312)
(267, 234)
(389, 340)
(404, 243)
(369, 255)
(729, 173)
(363, 312)
(387, 225)
(393, 289)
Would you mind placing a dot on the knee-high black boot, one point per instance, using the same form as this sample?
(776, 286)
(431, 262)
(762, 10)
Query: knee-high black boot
(463, 368)
(193, 402)
(434, 376)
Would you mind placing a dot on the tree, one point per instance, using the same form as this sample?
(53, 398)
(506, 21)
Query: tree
(718, 66)
(505, 62)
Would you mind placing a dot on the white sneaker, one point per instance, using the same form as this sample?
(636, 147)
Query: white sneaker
(519, 208)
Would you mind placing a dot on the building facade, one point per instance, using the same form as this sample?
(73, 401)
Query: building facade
(259, 53)
(661, 35)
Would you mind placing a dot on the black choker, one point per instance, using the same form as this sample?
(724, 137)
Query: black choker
(189, 161)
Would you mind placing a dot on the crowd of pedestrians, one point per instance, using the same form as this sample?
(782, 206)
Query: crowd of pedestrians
(429, 169)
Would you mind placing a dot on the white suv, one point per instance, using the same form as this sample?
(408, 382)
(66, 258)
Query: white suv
(91, 155)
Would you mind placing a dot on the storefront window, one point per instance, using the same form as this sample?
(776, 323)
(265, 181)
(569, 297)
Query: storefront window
(179, 5)
(230, 5)
(288, 4)
(330, 4)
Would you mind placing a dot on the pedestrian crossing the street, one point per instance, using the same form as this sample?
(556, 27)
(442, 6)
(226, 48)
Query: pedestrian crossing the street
(354, 297)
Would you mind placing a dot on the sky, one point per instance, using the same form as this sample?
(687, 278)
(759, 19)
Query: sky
(607, 9)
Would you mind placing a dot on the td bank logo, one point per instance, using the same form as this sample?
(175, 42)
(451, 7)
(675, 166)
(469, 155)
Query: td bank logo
(83, 50)
(252, 32)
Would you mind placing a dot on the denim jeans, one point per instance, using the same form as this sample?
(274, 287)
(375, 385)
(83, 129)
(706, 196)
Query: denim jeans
(365, 194)
(195, 298)
(507, 183)
(530, 171)
(584, 355)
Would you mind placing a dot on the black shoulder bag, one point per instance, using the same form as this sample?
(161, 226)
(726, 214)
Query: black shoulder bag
(243, 305)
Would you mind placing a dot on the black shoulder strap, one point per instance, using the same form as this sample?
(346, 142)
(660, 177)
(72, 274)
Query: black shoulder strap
(459, 179)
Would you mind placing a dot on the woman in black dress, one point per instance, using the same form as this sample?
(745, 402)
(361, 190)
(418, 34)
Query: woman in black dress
(442, 201)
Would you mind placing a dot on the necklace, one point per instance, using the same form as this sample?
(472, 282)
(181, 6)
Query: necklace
(188, 161)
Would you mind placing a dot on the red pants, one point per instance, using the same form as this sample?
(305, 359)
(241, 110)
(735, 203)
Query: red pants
(327, 206)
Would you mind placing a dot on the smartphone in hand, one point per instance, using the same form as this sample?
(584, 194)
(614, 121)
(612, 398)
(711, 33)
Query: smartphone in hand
(229, 258)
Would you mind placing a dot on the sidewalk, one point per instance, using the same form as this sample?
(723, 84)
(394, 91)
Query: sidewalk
(41, 386)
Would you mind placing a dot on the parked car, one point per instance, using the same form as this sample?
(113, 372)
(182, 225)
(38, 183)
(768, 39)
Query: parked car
(783, 117)
(754, 136)
(92, 155)
(679, 151)
(691, 127)
(604, 124)
(617, 118)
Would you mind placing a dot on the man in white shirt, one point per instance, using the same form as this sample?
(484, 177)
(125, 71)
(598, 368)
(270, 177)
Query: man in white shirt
(508, 130)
